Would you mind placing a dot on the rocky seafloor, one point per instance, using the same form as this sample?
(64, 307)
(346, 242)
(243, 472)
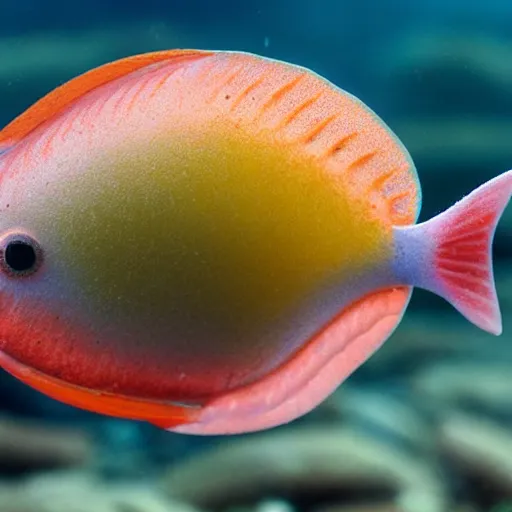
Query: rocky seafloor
(433, 436)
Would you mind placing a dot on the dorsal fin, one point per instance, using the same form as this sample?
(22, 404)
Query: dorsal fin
(63, 96)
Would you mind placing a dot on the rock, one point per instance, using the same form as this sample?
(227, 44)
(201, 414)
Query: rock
(466, 507)
(481, 450)
(391, 416)
(82, 492)
(308, 463)
(376, 507)
(30, 445)
(453, 383)
(274, 506)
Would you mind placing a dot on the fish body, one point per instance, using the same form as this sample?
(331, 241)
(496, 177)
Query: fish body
(213, 241)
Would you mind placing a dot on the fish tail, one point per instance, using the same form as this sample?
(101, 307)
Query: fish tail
(451, 254)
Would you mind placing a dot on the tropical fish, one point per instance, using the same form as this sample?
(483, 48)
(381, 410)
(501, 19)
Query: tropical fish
(213, 241)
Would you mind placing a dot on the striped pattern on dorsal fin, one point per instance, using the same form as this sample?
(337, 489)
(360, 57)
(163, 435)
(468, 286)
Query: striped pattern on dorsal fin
(62, 97)
(307, 113)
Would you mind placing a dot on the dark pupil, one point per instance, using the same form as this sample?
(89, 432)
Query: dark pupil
(20, 256)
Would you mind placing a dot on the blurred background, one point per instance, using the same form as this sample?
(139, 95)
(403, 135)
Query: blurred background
(426, 424)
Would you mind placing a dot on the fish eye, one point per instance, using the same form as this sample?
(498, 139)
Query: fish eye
(20, 255)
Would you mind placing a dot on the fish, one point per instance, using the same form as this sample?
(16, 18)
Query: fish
(213, 241)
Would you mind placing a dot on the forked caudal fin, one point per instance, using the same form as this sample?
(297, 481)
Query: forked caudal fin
(451, 254)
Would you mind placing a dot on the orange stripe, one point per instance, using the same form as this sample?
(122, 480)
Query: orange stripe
(65, 95)
(161, 82)
(400, 195)
(315, 132)
(120, 99)
(280, 92)
(246, 91)
(340, 144)
(303, 106)
(99, 402)
(205, 70)
(358, 162)
(224, 83)
(393, 200)
(380, 180)
(138, 92)
(47, 146)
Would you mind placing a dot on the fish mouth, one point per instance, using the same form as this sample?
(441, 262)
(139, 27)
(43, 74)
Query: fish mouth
(158, 412)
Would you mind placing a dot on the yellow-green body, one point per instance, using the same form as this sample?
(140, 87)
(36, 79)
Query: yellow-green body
(202, 223)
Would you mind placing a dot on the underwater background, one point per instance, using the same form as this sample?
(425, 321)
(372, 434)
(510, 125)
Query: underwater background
(426, 424)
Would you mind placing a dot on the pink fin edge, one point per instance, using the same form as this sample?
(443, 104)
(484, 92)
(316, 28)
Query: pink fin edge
(461, 239)
(311, 376)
